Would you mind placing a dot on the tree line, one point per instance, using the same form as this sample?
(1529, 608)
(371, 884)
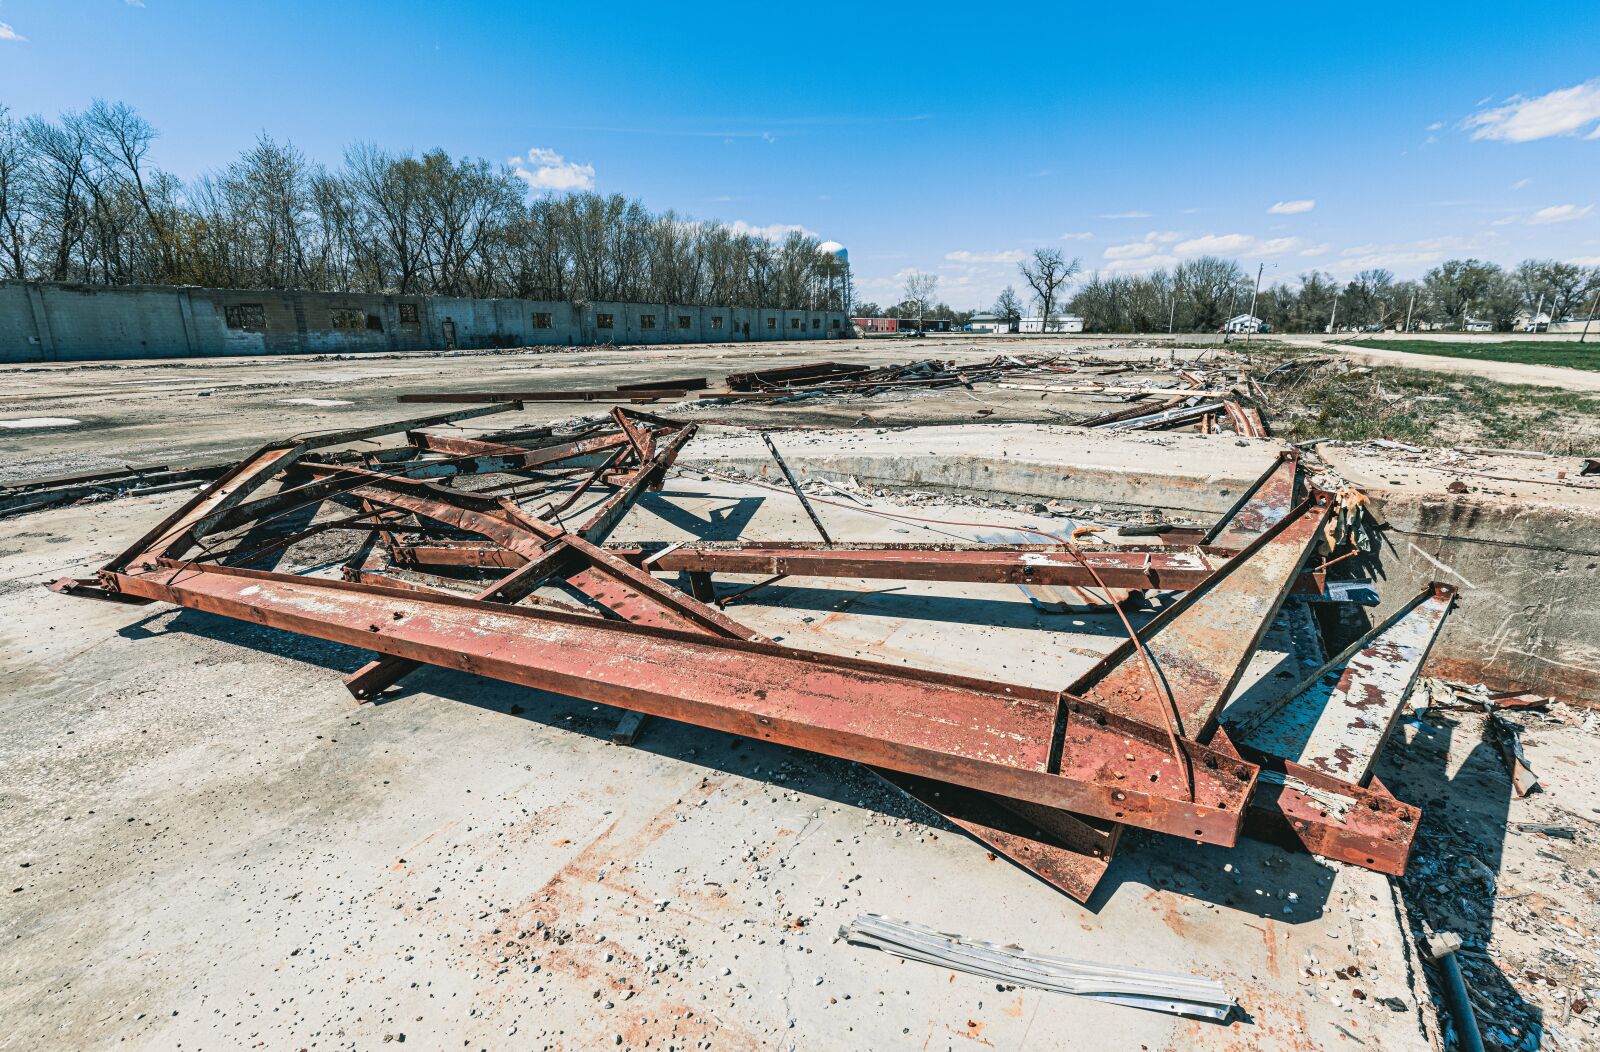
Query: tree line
(1199, 295)
(80, 201)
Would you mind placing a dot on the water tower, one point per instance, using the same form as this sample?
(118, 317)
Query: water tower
(838, 273)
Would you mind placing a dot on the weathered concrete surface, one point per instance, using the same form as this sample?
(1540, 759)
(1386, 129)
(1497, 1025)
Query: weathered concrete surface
(1197, 476)
(210, 846)
(1522, 545)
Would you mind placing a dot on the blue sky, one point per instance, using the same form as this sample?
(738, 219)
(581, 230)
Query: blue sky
(946, 138)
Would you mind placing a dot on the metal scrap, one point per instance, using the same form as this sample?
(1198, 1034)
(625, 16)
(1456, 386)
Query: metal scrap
(1172, 992)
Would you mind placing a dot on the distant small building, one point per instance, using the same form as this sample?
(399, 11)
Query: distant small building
(1058, 323)
(991, 323)
(875, 325)
(1479, 325)
(1527, 321)
(1245, 323)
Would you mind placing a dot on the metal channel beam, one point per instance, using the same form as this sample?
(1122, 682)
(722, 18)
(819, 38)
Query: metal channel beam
(1066, 850)
(1301, 808)
(1337, 720)
(970, 732)
(1201, 644)
(1262, 506)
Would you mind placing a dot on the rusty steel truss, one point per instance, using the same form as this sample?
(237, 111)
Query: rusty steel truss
(1046, 777)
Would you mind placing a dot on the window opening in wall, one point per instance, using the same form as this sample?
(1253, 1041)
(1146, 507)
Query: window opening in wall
(245, 316)
(683, 321)
(772, 323)
(374, 323)
(647, 321)
(541, 319)
(716, 323)
(836, 323)
(816, 323)
(602, 321)
(794, 323)
(348, 318)
(408, 314)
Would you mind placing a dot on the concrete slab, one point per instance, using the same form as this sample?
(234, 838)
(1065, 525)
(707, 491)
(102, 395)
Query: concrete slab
(1518, 534)
(1198, 476)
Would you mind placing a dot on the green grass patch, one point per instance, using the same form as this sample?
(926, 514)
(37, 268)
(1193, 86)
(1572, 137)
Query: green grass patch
(1522, 352)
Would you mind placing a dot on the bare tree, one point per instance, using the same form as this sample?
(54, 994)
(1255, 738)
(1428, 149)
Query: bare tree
(80, 201)
(920, 290)
(1007, 307)
(1046, 273)
(17, 224)
(120, 139)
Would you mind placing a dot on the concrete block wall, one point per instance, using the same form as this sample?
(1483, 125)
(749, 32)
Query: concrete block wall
(52, 322)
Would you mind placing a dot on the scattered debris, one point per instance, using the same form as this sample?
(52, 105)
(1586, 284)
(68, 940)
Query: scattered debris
(1508, 737)
(46, 493)
(1185, 995)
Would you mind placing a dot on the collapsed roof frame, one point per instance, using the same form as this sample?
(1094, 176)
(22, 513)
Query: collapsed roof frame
(1045, 777)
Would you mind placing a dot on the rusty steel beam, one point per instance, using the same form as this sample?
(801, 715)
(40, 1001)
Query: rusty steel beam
(1199, 646)
(1182, 666)
(1261, 506)
(983, 735)
(183, 528)
(1298, 807)
(1065, 850)
(1176, 567)
(1337, 719)
(616, 395)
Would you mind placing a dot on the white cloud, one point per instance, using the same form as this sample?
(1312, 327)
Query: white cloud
(1292, 208)
(1314, 250)
(1168, 248)
(1143, 264)
(1560, 214)
(1142, 249)
(1404, 255)
(1133, 251)
(1585, 261)
(545, 169)
(1520, 183)
(772, 231)
(1236, 244)
(135, 3)
(1010, 255)
(1080, 235)
(1125, 215)
(1436, 125)
(1566, 111)
(7, 33)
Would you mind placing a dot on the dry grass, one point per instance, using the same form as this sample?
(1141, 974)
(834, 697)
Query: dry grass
(1320, 396)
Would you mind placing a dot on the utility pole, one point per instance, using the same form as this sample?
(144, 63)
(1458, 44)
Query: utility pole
(1409, 304)
(1172, 308)
(1592, 305)
(1534, 322)
(1333, 330)
(1259, 268)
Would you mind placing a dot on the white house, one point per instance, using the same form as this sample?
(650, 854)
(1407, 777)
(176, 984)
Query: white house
(1526, 321)
(1478, 325)
(1058, 323)
(1244, 323)
(990, 323)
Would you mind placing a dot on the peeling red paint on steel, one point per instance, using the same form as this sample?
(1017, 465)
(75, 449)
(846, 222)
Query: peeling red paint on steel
(1338, 719)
